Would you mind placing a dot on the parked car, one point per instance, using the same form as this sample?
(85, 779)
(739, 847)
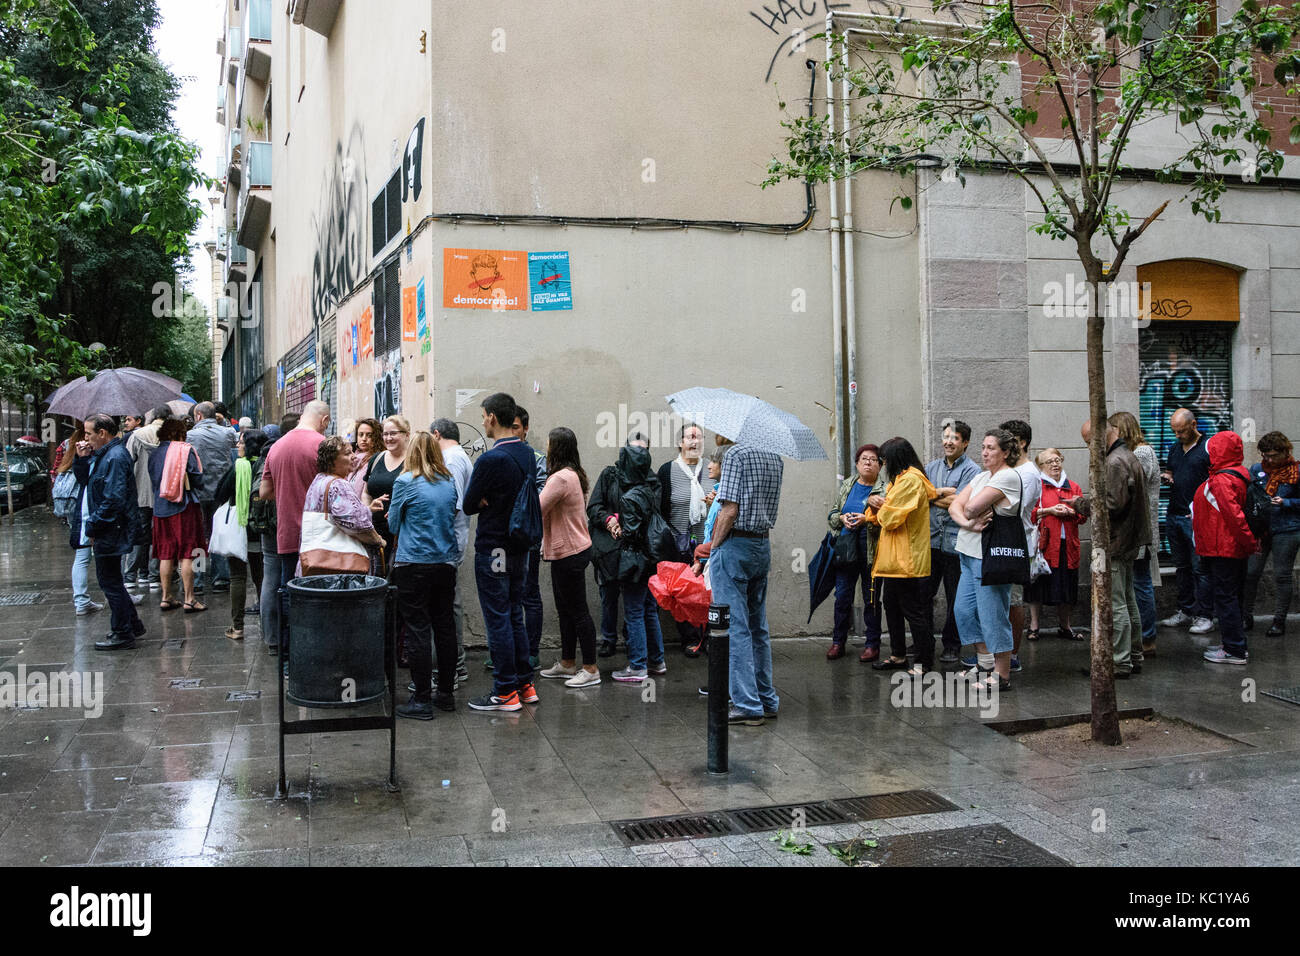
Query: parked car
(29, 480)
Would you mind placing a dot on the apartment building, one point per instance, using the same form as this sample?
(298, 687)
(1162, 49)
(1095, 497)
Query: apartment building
(426, 202)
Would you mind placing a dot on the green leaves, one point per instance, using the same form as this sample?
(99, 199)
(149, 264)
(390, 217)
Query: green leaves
(787, 842)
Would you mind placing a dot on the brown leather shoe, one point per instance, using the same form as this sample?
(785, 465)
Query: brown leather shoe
(835, 652)
(869, 654)
(1149, 650)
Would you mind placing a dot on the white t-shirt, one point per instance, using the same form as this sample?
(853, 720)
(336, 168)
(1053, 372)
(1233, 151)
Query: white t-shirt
(1033, 494)
(461, 468)
(1007, 481)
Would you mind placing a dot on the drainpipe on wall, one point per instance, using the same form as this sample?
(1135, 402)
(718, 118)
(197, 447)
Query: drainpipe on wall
(850, 302)
(837, 315)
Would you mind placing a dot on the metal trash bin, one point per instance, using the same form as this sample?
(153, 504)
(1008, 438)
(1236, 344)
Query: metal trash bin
(336, 639)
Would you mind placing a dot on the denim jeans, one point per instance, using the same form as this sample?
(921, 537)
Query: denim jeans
(643, 633)
(1146, 597)
(108, 571)
(739, 575)
(846, 583)
(288, 569)
(983, 611)
(1194, 593)
(81, 577)
(270, 604)
(533, 603)
(1125, 619)
(945, 571)
(609, 593)
(1228, 580)
(1283, 547)
(501, 596)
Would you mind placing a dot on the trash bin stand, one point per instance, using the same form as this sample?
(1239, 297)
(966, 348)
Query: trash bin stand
(319, 725)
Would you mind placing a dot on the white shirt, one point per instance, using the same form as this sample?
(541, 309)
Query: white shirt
(1007, 481)
(461, 468)
(1033, 494)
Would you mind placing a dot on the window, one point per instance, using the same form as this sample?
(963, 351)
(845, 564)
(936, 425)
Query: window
(386, 299)
(386, 213)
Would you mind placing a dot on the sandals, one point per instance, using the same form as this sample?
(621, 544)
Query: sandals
(168, 605)
(1031, 634)
(889, 664)
(1070, 634)
(194, 607)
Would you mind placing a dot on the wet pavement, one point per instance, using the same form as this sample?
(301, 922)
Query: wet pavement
(185, 775)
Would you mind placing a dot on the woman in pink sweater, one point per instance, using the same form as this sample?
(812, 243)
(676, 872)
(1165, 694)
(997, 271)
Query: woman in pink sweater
(566, 544)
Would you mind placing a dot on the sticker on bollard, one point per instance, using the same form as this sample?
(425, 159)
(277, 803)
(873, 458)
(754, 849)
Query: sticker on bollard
(719, 638)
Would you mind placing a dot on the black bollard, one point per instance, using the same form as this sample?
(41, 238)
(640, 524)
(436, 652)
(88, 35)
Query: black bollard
(719, 689)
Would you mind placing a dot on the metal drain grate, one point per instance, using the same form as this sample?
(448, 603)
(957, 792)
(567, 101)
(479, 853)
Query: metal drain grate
(17, 598)
(782, 817)
(882, 806)
(1289, 694)
(667, 829)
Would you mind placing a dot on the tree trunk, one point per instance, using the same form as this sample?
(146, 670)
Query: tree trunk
(1105, 713)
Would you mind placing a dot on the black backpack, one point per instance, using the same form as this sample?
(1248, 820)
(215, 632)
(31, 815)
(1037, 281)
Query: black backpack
(1255, 506)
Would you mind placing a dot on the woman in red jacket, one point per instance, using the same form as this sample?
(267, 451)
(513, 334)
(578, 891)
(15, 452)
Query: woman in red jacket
(1058, 539)
(1224, 541)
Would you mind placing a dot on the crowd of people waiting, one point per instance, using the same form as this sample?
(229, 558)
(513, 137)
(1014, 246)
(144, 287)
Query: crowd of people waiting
(997, 539)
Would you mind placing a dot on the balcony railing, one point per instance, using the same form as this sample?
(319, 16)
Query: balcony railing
(259, 164)
(259, 20)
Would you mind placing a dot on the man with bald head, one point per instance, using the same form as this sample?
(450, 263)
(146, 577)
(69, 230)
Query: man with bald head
(1186, 469)
(1126, 505)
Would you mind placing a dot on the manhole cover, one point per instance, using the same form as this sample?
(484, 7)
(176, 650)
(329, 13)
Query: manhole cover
(668, 829)
(783, 817)
(186, 683)
(1289, 694)
(988, 845)
(244, 695)
(15, 598)
(882, 806)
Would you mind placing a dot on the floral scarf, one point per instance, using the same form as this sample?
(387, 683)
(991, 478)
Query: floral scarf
(1282, 473)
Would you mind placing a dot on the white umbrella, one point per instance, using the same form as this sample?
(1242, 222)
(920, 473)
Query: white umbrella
(747, 420)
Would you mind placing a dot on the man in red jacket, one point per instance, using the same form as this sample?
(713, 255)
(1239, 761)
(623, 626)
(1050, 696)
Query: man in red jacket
(1224, 541)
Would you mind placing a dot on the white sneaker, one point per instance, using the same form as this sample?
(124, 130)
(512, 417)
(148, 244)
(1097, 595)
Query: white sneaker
(583, 678)
(90, 608)
(1178, 620)
(1202, 625)
(559, 670)
(630, 675)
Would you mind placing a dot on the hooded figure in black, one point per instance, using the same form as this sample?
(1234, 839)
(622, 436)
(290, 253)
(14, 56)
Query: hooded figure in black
(630, 492)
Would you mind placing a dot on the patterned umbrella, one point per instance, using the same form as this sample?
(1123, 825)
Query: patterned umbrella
(747, 420)
(114, 391)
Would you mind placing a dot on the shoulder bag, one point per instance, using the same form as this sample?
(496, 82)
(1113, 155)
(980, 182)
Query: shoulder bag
(326, 548)
(1005, 550)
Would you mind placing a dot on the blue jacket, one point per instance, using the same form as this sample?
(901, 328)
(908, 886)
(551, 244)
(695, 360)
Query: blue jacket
(162, 507)
(108, 479)
(497, 477)
(422, 514)
(1282, 518)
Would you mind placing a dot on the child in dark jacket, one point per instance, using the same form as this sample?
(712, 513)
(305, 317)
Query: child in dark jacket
(1224, 541)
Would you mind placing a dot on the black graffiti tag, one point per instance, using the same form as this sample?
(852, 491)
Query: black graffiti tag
(340, 227)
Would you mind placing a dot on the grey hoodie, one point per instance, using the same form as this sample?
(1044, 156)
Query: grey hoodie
(141, 444)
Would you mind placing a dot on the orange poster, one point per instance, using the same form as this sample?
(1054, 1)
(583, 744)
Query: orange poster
(484, 279)
(408, 314)
(367, 333)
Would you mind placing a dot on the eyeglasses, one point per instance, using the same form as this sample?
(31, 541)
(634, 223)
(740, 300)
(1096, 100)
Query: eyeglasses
(870, 459)
(1053, 461)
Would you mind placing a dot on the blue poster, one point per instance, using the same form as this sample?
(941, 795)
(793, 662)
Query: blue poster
(421, 323)
(549, 281)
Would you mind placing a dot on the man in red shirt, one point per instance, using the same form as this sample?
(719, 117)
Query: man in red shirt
(287, 474)
(1224, 541)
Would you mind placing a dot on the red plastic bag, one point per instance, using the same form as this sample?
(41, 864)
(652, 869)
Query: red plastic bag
(681, 592)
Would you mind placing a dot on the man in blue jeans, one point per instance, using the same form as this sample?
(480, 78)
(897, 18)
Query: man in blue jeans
(1188, 468)
(532, 587)
(501, 567)
(739, 559)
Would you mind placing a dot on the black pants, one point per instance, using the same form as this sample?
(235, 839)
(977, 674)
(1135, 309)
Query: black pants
(569, 588)
(945, 570)
(108, 570)
(909, 598)
(1228, 585)
(143, 545)
(426, 594)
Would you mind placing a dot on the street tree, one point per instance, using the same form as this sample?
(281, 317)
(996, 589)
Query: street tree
(1057, 93)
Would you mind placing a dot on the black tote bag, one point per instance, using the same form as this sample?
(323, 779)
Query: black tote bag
(1006, 552)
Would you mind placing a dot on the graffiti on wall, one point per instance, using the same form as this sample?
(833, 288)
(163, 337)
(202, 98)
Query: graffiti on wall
(412, 163)
(798, 21)
(339, 224)
(388, 386)
(328, 368)
(1183, 366)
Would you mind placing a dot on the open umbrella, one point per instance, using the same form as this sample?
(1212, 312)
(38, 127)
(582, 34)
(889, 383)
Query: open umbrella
(114, 391)
(747, 420)
(821, 573)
